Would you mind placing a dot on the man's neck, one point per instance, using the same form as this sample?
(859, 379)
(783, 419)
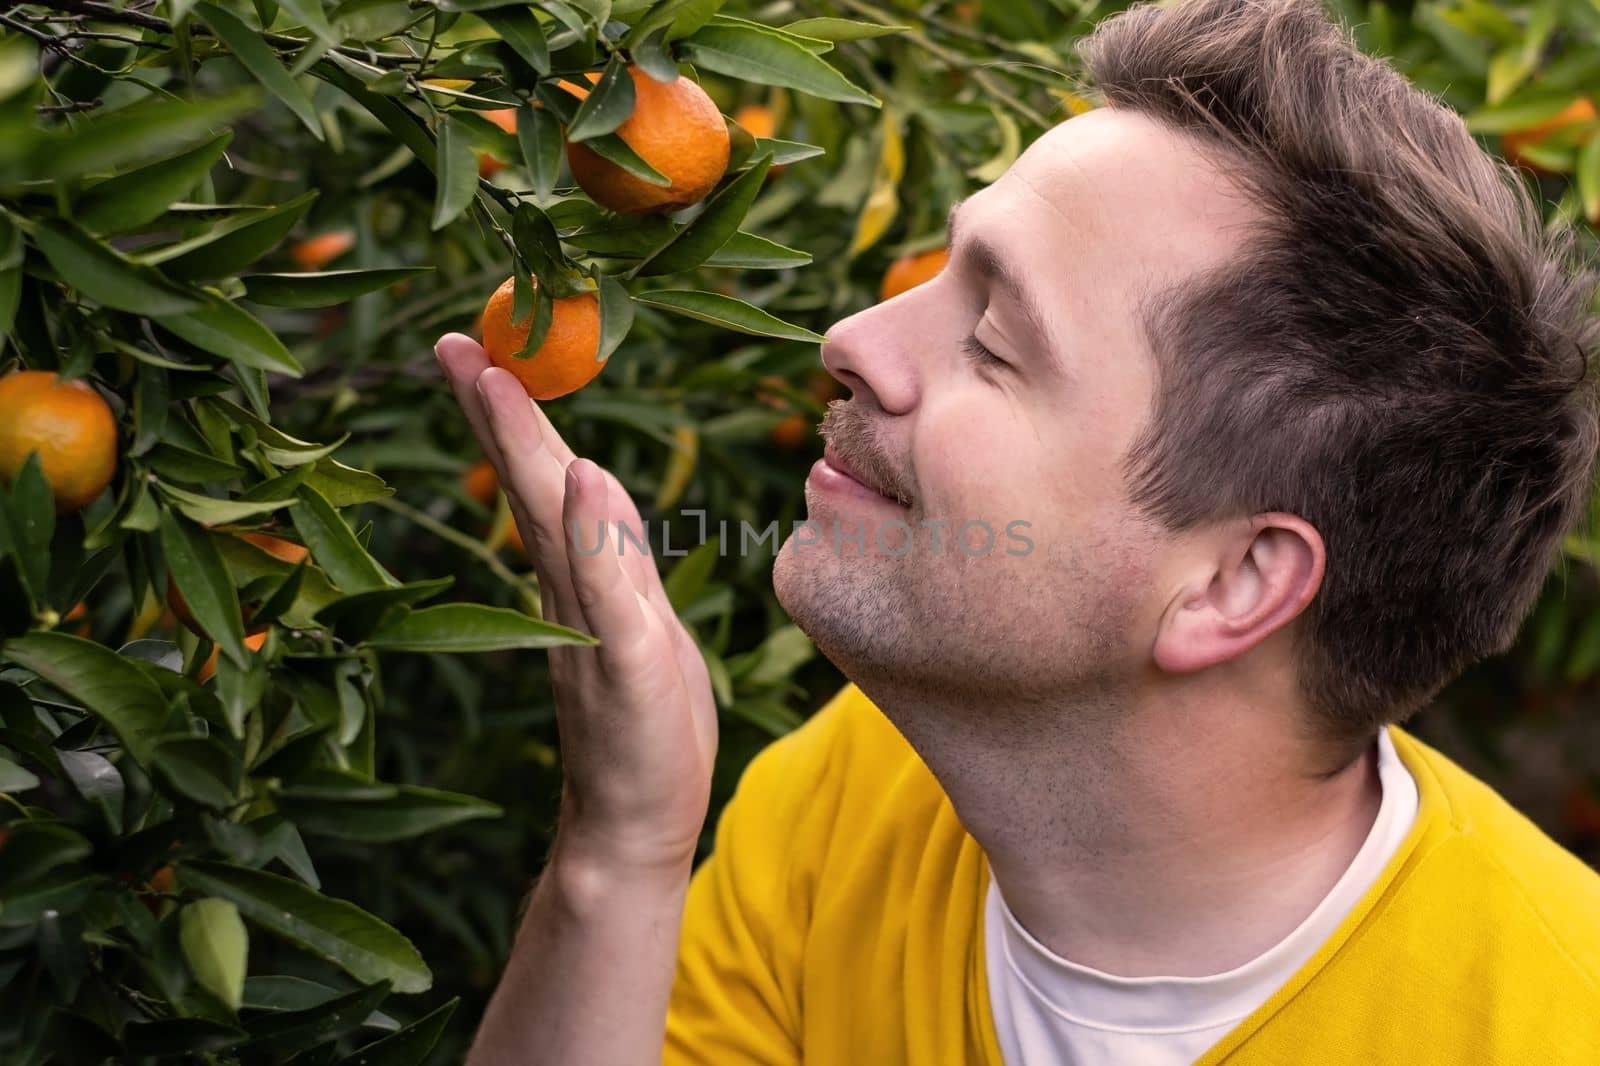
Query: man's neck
(1179, 841)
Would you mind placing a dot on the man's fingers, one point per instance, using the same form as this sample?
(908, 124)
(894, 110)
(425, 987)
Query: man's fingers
(463, 359)
(531, 477)
(604, 593)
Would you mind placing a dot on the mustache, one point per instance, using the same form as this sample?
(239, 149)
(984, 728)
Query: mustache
(849, 432)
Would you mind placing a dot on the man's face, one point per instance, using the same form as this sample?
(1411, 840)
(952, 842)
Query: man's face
(1009, 563)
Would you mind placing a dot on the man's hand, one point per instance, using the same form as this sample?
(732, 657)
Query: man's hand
(637, 721)
(589, 978)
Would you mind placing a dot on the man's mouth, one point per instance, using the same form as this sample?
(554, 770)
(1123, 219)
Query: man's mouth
(847, 473)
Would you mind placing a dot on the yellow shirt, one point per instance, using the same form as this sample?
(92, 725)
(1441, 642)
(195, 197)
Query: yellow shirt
(839, 921)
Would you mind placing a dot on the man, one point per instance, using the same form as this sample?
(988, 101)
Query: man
(1278, 403)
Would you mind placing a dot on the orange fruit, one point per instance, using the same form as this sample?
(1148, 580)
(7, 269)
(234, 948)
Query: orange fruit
(287, 550)
(795, 430)
(80, 614)
(162, 880)
(253, 642)
(676, 128)
(1512, 142)
(180, 608)
(909, 271)
(966, 11)
(68, 424)
(565, 362)
(506, 119)
(759, 121)
(314, 253)
(480, 482)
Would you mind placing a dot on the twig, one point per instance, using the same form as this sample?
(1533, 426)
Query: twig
(522, 586)
(61, 109)
(131, 17)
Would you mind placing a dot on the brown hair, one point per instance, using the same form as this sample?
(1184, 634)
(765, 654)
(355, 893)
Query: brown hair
(1400, 356)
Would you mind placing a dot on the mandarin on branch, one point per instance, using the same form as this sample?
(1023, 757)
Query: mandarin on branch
(758, 120)
(909, 271)
(566, 360)
(68, 424)
(1580, 112)
(314, 253)
(676, 128)
(506, 119)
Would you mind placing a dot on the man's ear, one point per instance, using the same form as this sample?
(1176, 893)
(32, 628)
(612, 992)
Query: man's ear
(1256, 582)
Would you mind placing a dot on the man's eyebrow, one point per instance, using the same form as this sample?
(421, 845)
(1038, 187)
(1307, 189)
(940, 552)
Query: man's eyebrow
(987, 261)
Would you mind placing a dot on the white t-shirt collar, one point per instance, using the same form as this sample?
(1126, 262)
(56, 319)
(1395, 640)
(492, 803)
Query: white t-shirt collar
(1093, 998)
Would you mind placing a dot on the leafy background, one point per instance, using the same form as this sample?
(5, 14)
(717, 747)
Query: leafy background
(325, 845)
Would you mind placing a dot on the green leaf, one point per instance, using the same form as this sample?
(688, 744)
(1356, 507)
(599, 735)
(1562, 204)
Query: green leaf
(182, 464)
(539, 136)
(27, 524)
(291, 1031)
(616, 315)
(769, 58)
(258, 58)
(226, 329)
(725, 311)
(107, 276)
(14, 778)
(35, 848)
(216, 947)
(19, 66)
(201, 576)
(677, 17)
(310, 14)
(347, 936)
(471, 627)
(344, 486)
(233, 244)
(411, 812)
(125, 137)
(10, 274)
(129, 201)
(709, 230)
(111, 687)
(687, 579)
(457, 169)
(403, 124)
(785, 650)
(211, 511)
(1524, 110)
(63, 892)
(814, 45)
(608, 104)
(199, 768)
(522, 32)
(837, 29)
(370, 20)
(747, 251)
(409, 1046)
(279, 992)
(98, 781)
(325, 288)
(354, 618)
(334, 545)
(187, 1037)
(614, 149)
(1588, 178)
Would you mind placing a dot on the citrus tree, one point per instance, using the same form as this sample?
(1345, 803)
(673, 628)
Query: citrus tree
(277, 753)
